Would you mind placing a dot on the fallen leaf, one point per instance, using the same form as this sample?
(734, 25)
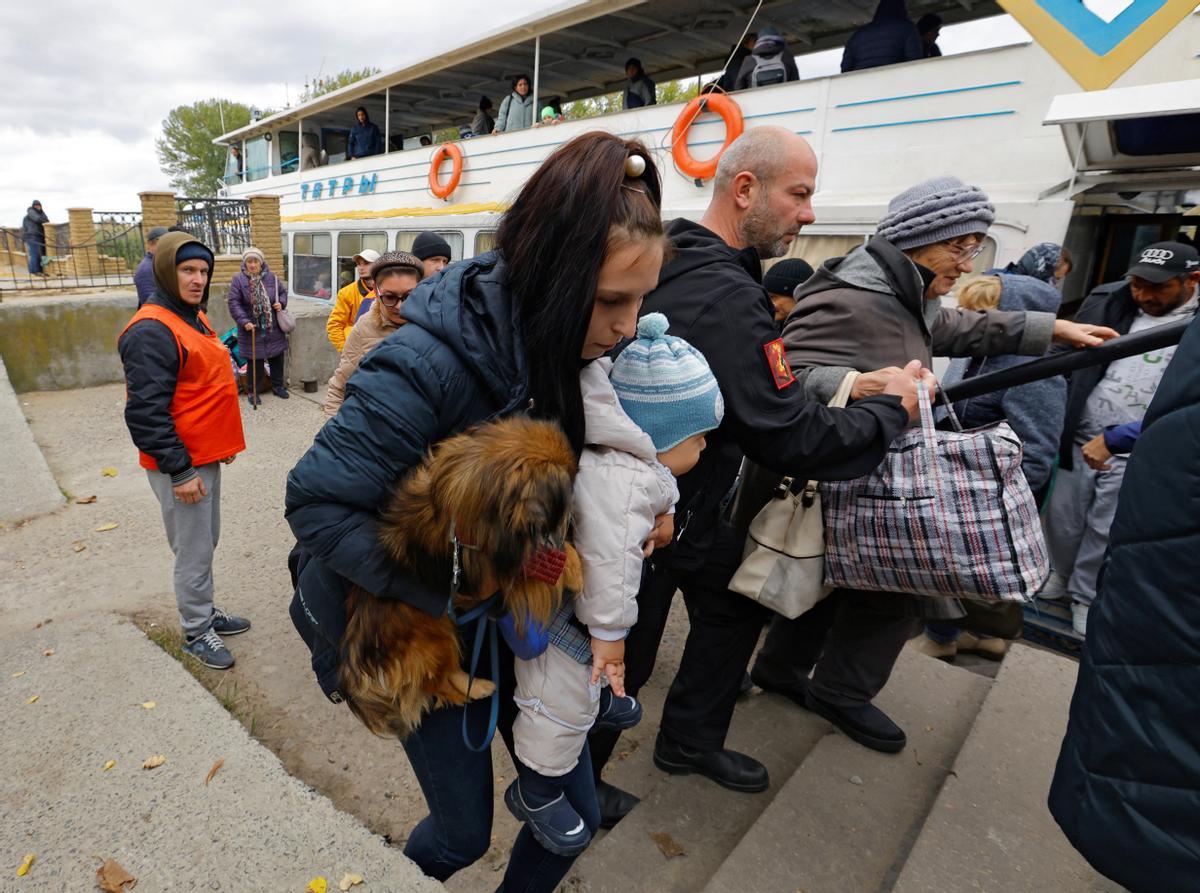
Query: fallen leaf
(154, 762)
(317, 885)
(79, 545)
(18, 674)
(929, 728)
(213, 771)
(85, 500)
(667, 845)
(855, 779)
(149, 705)
(109, 472)
(49, 652)
(26, 865)
(349, 880)
(112, 878)
(109, 765)
(111, 525)
(32, 699)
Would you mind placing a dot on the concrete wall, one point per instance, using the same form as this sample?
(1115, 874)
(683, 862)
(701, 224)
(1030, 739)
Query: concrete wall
(59, 343)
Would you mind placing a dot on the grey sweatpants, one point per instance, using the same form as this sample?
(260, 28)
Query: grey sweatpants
(1081, 509)
(192, 531)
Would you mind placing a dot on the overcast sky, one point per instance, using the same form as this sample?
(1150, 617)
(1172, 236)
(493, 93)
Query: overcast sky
(88, 85)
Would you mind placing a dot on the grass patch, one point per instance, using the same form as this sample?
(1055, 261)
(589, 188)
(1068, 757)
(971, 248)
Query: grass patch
(219, 683)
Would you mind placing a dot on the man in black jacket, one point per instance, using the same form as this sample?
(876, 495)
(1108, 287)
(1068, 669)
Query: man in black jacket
(33, 234)
(712, 294)
(1160, 288)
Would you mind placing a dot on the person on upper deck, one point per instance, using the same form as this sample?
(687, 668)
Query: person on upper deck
(483, 123)
(516, 109)
(929, 26)
(365, 138)
(737, 55)
(889, 37)
(641, 90)
(770, 63)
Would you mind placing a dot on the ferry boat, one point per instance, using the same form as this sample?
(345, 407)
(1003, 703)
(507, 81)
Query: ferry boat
(1104, 172)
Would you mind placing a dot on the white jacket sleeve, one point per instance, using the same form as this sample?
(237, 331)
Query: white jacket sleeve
(617, 499)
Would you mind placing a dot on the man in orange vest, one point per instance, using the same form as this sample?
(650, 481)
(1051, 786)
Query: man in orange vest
(182, 412)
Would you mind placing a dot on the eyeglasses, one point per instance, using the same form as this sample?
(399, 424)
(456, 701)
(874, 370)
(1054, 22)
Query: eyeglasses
(963, 253)
(387, 299)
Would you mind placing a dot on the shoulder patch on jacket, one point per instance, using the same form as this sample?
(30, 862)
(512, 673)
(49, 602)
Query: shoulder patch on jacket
(781, 372)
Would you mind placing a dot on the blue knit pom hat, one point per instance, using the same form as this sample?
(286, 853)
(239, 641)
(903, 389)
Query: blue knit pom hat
(665, 386)
(934, 211)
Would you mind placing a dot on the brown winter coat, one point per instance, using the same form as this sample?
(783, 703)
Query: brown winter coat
(371, 328)
(867, 311)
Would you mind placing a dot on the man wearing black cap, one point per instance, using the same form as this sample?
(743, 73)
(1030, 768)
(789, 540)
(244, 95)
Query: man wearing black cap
(1159, 288)
(433, 250)
(781, 281)
(143, 276)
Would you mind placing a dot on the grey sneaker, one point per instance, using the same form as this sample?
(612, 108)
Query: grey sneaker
(209, 650)
(227, 624)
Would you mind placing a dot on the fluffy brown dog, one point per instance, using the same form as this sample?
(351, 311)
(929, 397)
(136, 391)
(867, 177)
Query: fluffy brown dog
(504, 488)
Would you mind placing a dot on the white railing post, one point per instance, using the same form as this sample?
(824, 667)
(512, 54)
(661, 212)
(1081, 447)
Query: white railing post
(537, 64)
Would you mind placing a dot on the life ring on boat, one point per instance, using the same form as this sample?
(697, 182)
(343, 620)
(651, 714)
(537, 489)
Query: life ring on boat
(711, 102)
(439, 155)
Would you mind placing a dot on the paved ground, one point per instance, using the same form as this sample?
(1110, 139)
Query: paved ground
(27, 487)
(126, 570)
(107, 693)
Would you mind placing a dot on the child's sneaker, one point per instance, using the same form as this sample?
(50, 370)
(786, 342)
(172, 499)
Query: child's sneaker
(617, 713)
(557, 826)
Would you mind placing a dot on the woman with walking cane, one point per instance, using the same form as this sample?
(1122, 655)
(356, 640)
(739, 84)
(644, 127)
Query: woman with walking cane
(256, 296)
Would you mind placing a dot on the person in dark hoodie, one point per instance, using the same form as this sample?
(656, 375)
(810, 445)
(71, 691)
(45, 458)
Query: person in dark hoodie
(882, 304)
(33, 233)
(365, 138)
(641, 90)
(771, 62)
(493, 336)
(1126, 790)
(711, 292)
(890, 37)
(182, 412)
(737, 55)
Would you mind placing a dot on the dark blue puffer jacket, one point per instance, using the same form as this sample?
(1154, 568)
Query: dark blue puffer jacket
(891, 37)
(1127, 787)
(1034, 410)
(458, 361)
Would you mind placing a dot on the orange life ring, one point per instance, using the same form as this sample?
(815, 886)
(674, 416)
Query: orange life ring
(439, 155)
(712, 102)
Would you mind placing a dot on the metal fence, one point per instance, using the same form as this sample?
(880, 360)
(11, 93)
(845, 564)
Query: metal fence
(107, 258)
(223, 224)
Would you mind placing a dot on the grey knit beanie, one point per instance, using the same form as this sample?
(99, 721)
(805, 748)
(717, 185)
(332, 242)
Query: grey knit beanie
(934, 211)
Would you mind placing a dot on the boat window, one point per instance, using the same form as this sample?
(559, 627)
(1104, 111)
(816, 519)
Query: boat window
(406, 237)
(485, 241)
(313, 253)
(350, 244)
(258, 158)
(816, 249)
(289, 151)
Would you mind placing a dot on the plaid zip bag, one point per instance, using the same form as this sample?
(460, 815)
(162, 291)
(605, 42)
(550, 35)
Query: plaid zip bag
(948, 513)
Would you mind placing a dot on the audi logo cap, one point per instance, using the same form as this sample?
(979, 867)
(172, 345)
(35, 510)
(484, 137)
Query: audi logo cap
(1165, 260)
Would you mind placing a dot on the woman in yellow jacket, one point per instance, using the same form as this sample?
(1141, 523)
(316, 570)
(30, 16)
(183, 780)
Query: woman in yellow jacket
(349, 299)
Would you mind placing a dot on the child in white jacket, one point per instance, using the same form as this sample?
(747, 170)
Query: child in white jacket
(646, 416)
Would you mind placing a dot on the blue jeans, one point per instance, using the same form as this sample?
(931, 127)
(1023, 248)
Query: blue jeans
(35, 250)
(457, 784)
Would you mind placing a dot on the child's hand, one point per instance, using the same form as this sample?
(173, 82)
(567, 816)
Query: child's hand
(660, 536)
(609, 658)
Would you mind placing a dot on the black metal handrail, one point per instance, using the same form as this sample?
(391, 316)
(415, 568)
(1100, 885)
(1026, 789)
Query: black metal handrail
(223, 224)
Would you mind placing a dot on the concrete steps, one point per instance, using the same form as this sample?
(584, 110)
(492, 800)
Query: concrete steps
(962, 808)
(848, 815)
(990, 829)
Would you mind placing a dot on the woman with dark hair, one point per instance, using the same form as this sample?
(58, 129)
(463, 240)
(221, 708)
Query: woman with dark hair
(503, 333)
(516, 109)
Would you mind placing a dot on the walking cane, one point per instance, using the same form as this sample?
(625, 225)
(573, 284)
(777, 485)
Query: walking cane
(253, 369)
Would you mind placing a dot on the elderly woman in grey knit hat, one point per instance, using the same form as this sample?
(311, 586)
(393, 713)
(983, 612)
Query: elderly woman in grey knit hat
(879, 307)
(255, 298)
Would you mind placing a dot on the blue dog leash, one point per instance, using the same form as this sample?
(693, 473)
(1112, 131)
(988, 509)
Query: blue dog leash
(483, 617)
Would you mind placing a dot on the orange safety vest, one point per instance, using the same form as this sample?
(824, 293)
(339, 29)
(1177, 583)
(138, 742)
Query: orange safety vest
(205, 408)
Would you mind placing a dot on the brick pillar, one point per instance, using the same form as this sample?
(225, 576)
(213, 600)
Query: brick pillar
(82, 236)
(265, 231)
(158, 209)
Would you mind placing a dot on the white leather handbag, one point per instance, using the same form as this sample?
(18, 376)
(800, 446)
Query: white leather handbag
(783, 567)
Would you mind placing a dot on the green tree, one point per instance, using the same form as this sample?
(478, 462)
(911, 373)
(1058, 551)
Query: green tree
(607, 103)
(318, 86)
(186, 152)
